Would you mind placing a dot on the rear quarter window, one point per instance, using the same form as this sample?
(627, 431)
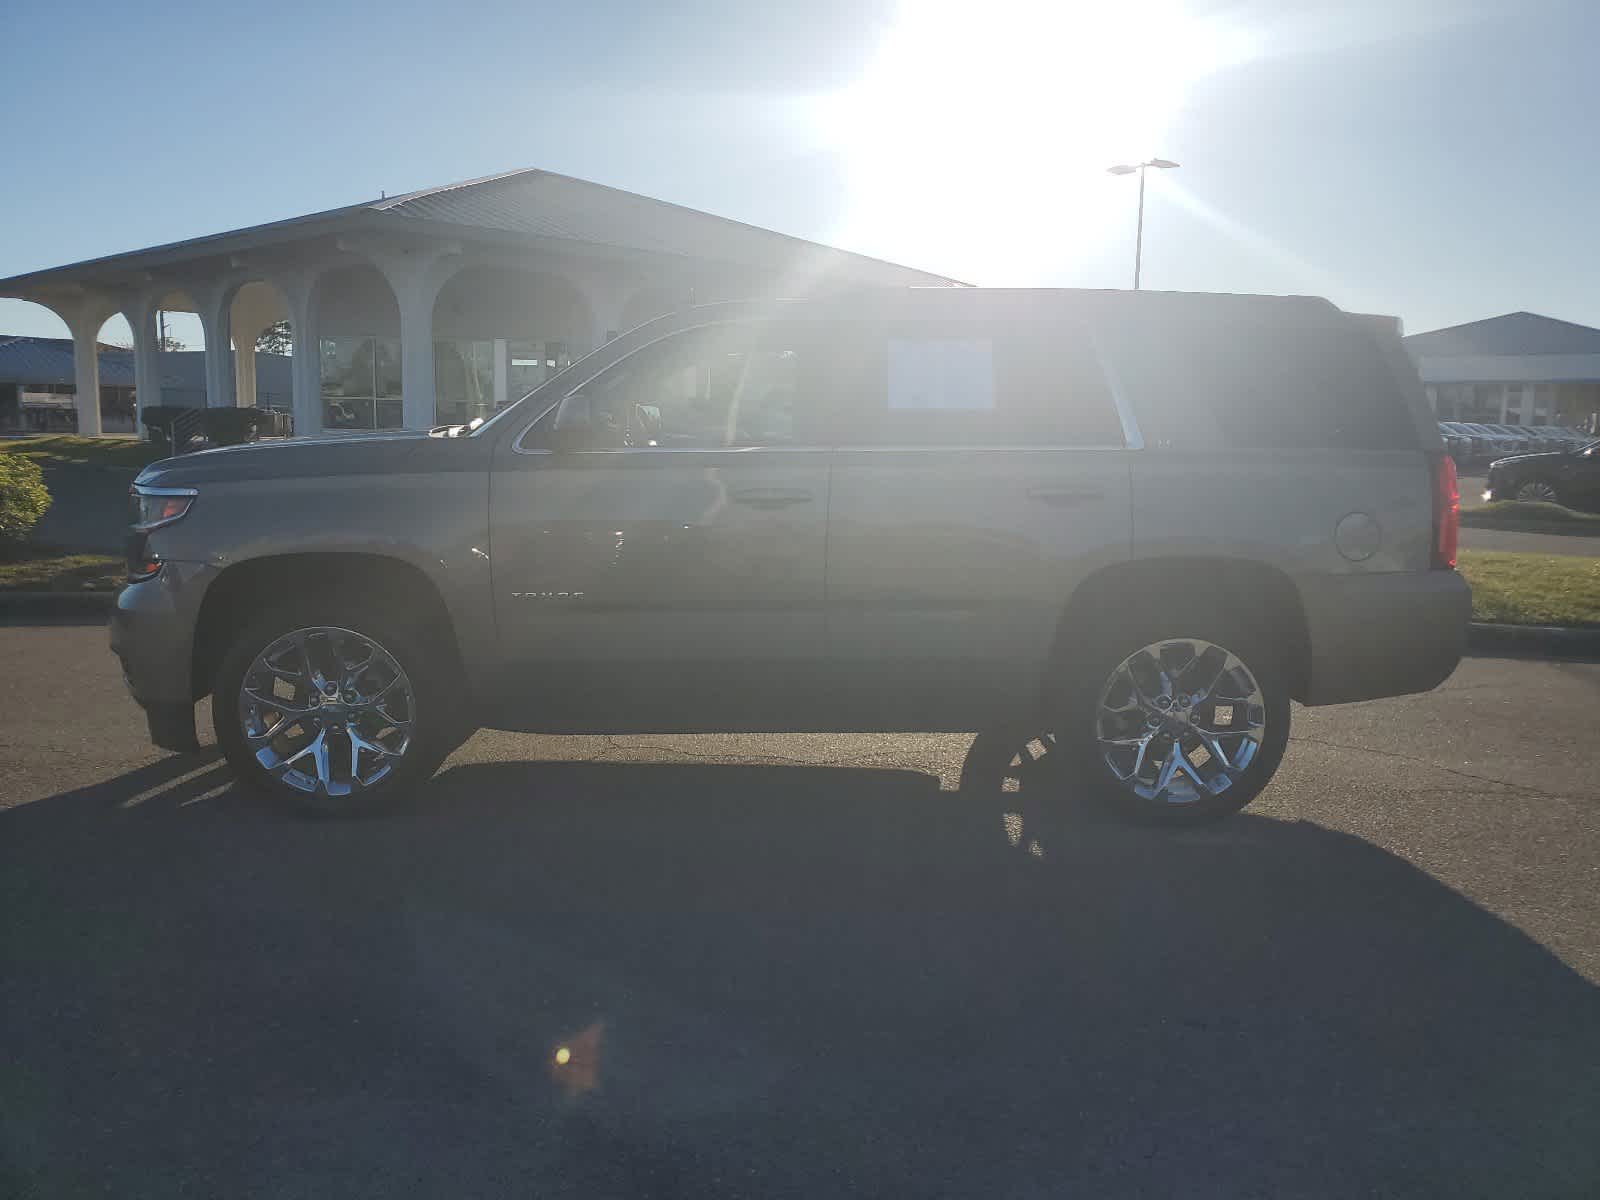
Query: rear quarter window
(1264, 385)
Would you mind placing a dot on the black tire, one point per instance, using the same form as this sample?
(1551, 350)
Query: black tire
(1555, 492)
(438, 723)
(1095, 653)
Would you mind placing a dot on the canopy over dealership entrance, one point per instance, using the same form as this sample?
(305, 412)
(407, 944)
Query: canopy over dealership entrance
(437, 305)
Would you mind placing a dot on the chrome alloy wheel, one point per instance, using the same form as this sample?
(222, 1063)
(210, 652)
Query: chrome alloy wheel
(1537, 490)
(1179, 720)
(327, 710)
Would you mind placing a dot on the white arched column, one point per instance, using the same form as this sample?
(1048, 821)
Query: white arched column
(244, 362)
(86, 375)
(305, 363)
(83, 316)
(213, 303)
(140, 313)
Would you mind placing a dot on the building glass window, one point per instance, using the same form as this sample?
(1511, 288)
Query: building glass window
(1543, 404)
(1513, 404)
(532, 363)
(361, 383)
(463, 381)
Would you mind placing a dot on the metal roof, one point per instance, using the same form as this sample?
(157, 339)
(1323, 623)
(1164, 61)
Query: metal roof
(42, 360)
(1514, 335)
(547, 205)
(527, 203)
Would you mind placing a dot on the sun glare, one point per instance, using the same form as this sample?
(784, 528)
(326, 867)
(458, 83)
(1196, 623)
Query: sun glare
(978, 140)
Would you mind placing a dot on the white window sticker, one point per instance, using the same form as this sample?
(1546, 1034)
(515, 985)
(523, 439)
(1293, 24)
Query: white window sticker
(947, 375)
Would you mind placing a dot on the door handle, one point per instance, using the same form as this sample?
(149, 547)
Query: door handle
(1064, 495)
(770, 498)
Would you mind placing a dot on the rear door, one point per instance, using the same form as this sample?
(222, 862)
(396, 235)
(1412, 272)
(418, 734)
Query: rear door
(668, 573)
(981, 473)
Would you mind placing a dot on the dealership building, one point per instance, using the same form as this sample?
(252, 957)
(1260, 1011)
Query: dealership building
(1516, 369)
(430, 307)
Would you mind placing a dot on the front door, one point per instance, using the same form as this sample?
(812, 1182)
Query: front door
(662, 566)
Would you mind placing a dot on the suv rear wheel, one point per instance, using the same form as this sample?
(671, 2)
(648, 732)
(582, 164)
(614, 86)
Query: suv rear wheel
(330, 709)
(1177, 720)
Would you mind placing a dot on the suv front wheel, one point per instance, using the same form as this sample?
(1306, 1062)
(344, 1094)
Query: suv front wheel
(331, 709)
(1178, 721)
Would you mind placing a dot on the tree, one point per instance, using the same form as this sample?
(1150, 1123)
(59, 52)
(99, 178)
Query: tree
(275, 339)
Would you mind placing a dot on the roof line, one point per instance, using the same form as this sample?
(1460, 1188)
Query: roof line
(699, 212)
(385, 203)
(165, 247)
(1521, 312)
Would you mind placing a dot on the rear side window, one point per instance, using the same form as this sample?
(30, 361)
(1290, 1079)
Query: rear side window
(1264, 385)
(956, 384)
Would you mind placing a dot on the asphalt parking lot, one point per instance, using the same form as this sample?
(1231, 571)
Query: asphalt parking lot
(803, 965)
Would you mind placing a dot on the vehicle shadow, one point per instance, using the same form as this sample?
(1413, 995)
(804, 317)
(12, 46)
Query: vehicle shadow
(591, 978)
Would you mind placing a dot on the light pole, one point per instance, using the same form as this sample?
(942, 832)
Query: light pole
(1128, 169)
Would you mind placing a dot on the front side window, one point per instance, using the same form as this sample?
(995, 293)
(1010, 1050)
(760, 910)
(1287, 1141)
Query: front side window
(708, 389)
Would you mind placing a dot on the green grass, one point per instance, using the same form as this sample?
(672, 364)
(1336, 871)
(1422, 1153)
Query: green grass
(44, 569)
(126, 452)
(1528, 515)
(1513, 589)
(1533, 589)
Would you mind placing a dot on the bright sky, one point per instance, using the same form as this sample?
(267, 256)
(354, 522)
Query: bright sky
(1430, 158)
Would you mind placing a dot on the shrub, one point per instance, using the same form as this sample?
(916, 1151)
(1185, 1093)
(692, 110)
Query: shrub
(23, 497)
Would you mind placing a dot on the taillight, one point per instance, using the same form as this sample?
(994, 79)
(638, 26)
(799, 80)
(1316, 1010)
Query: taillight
(1446, 512)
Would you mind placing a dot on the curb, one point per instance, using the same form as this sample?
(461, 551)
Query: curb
(1550, 530)
(56, 604)
(1550, 641)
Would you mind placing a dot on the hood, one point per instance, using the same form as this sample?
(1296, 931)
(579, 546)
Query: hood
(402, 451)
(1519, 459)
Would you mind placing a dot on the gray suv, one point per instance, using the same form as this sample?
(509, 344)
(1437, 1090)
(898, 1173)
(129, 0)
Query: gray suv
(1140, 522)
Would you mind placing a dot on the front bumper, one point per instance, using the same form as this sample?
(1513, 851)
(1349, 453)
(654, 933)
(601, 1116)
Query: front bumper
(1383, 635)
(152, 633)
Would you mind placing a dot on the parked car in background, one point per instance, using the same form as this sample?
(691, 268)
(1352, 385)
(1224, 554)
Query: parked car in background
(939, 509)
(1508, 439)
(1499, 440)
(1457, 442)
(1483, 444)
(1567, 477)
(1564, 438)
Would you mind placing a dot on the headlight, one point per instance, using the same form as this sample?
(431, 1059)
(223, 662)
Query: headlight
(154, 507)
